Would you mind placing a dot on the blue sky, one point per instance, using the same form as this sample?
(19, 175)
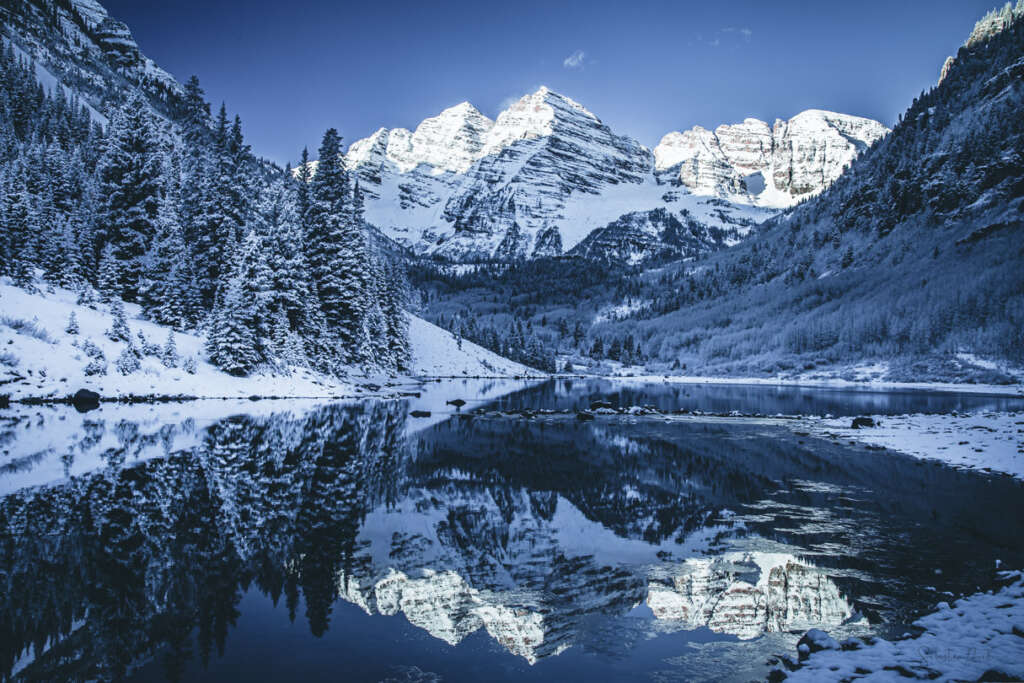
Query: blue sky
(293, 69)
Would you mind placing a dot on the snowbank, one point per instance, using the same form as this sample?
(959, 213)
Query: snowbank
(991, 441)
(980, 634)
(436, 353)
(39, 359)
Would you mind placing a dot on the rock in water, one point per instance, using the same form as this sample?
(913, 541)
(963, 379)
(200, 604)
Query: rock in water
(420, 413)
(85, 400)
(458, 403)
(860, 422)
(584, 416)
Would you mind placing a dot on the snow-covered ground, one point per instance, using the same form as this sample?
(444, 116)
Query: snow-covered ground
(38, 358)
(985, 441)
(832, 382)
(980, 634)
(436, 353)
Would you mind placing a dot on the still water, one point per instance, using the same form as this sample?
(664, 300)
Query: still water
(305, 541)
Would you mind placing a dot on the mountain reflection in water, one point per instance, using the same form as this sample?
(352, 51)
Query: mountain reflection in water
(526, 530)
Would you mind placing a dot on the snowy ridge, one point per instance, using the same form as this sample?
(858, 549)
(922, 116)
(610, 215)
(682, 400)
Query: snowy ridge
(547, 172)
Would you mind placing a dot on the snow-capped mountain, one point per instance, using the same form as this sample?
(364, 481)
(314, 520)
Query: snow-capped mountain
(92, 55)
(774, 166)
(547, 172)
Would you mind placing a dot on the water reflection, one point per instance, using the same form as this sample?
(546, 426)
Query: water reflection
(130, 540)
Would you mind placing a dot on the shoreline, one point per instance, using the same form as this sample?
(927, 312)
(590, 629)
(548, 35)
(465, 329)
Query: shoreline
(1009, 390)
(873, 386)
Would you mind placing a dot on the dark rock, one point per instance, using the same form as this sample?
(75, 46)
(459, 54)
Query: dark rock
(85, 400)
(5, 401)
(420, 413)
(859, 422)
(458, 403)
(813, 641)
(597, 405)
(584, 416)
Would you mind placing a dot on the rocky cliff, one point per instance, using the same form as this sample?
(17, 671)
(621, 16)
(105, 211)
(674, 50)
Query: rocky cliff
(774, 166)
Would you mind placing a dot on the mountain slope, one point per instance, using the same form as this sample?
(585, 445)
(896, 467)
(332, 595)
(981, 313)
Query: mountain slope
(547, 172)
(92, 55)
(912, 257)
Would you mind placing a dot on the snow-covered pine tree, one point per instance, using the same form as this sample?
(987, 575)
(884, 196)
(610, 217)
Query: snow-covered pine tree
(252, 271)
(395, 302)
(169, 354)
(72, 326)
(128, 360)
(109, 275)
(230, 343)
(338, 253)
(276, 220)
(119, 327)
(130, 185)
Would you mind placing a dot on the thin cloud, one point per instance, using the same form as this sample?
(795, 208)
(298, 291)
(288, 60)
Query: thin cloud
(575, 60)
(742, 31)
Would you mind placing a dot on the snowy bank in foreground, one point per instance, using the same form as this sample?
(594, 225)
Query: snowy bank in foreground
(978, 635)
(990, 441)
(40, 358)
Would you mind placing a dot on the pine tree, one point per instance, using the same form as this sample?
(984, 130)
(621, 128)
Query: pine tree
(338, 254)
(128, 360)
(394, 302)
(109, 275)
(72, 326)
(231, 344)
(277, 223)
(130, 177)
(169, 354)
(119, 328)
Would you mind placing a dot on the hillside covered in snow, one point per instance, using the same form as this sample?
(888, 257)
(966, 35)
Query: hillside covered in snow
(41, 358)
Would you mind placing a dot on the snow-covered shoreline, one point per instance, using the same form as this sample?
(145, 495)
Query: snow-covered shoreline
(40, 360)
(831, 383)
(988, 441)
(980, 635)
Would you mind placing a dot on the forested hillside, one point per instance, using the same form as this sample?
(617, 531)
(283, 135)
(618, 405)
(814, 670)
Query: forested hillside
(183, 219)
(916, 251)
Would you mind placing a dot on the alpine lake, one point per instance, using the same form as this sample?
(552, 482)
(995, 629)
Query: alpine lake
(504, 538)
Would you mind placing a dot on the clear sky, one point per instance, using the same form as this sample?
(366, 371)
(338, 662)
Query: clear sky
(293, 69)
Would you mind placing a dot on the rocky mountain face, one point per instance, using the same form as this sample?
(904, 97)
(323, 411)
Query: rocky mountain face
(773, 165)
(544, 175)
(93, 56)
(647, 235)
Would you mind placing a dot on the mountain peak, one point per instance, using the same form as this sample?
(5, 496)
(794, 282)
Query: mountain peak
(771, 165)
